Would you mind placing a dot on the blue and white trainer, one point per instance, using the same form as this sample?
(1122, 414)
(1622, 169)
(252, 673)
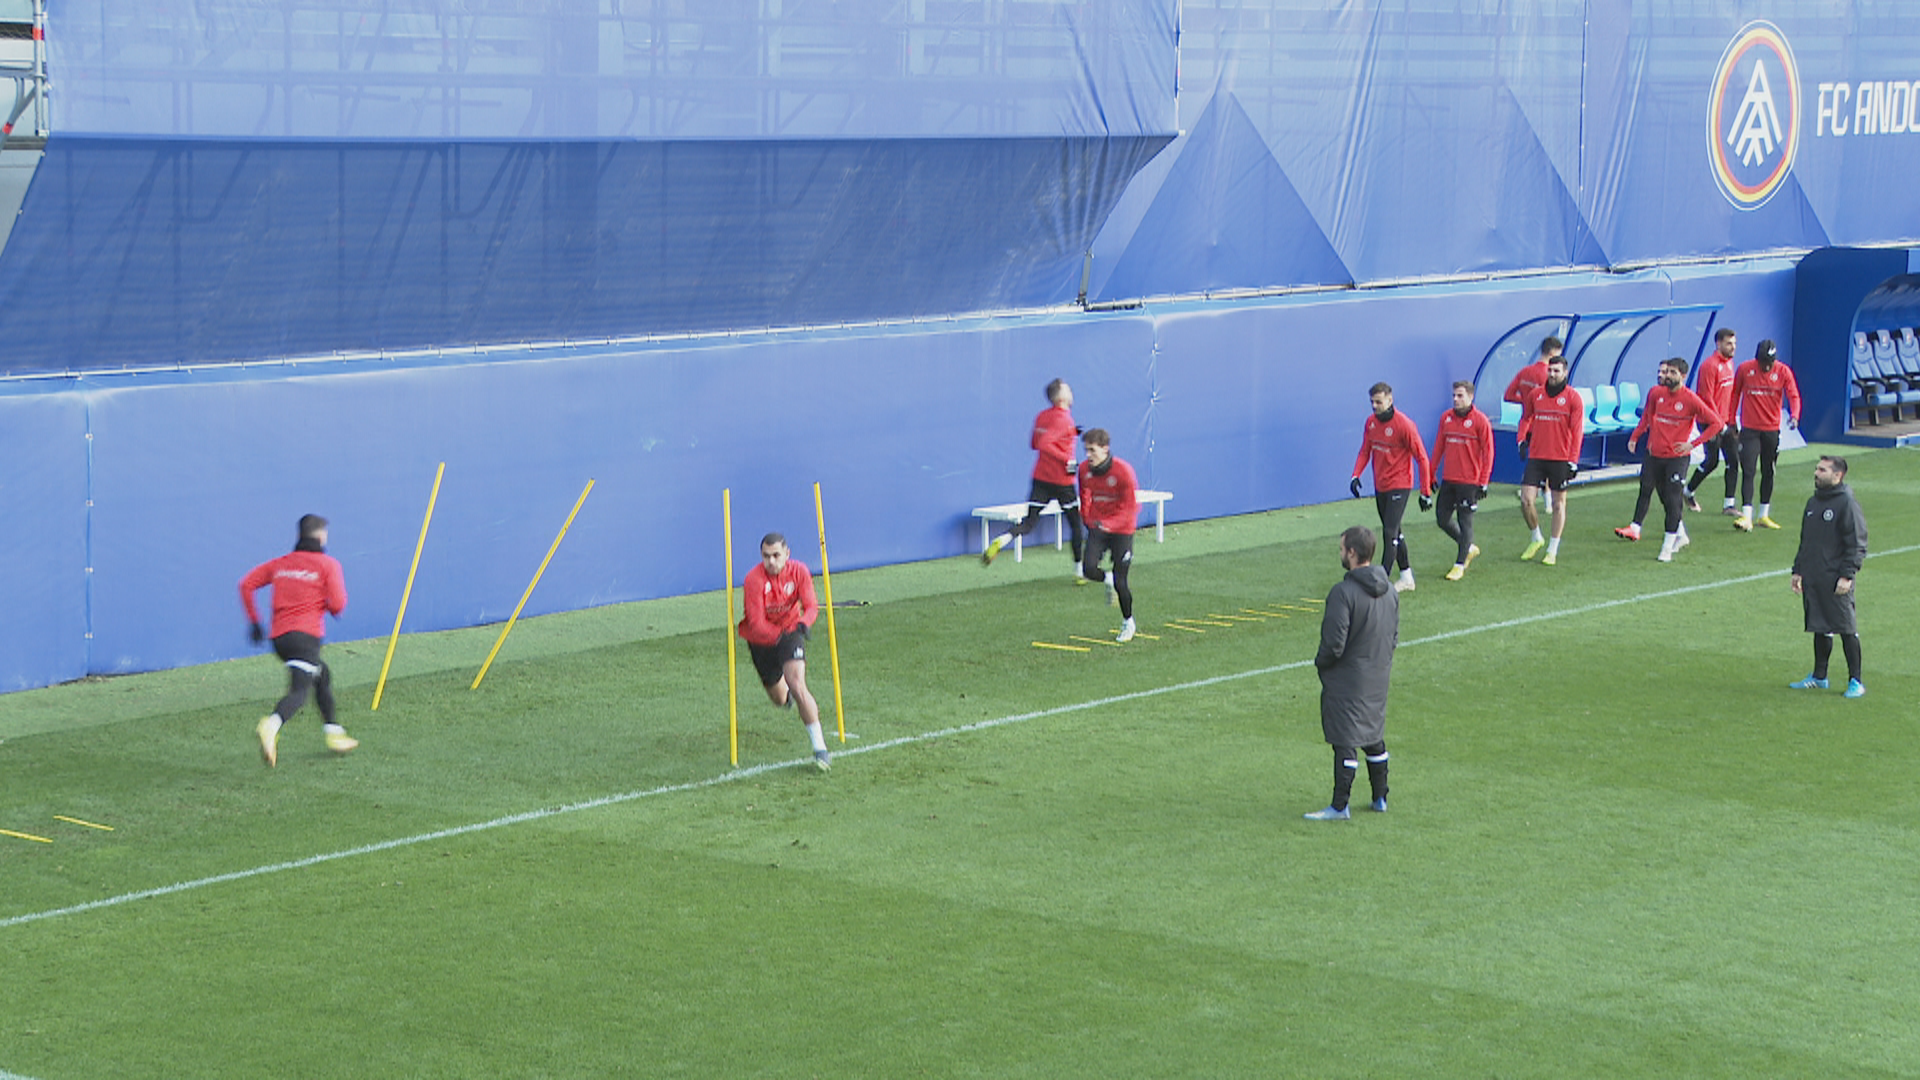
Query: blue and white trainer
(1329, 814)
(1811, 682)
(1855, 688)
(1380, 805)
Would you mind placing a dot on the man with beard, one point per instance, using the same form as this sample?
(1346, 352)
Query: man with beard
(1760, 387)
(1359, 629)
(1551, 429)
(1672, 411)
(1392, 444)
(1715, 387)
(1463, 458)
(1833, 546)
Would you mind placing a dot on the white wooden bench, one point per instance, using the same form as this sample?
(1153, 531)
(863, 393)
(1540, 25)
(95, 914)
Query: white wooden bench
(1013, 513)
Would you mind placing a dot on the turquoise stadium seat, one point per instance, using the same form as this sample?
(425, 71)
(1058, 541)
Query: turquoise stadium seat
(1509, 414)
(1606, 401)
(1630, 403)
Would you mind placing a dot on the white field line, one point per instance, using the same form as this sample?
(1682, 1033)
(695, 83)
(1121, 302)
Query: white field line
(5, 1075)
(905, 740)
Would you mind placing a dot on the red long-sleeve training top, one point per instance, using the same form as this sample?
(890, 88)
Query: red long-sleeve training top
(1463, 448)
(1668, 421)
(1715, 385)
(778, 604)
(1525, 382)
(1393, 447)
(306, 586)
(1053, 437)
(1759, 394)
(1108, 502)
(1556, 424)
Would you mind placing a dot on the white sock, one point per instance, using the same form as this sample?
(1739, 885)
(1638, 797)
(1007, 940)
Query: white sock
(274, 721)
(1682, 534)
(1538, 535)
(1671, 543)
(335, 729)
(1746, 511)
(1553, 546)
(1766, 509)
(1727, 503)
(1407, 574)
(817, 737)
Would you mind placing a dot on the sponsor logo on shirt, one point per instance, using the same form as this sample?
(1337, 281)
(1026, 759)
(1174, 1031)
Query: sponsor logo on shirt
(297, 575)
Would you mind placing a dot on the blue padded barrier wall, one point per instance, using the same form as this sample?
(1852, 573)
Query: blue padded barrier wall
(905, 432)
(141, 252)
(43, 538)
(196, 476)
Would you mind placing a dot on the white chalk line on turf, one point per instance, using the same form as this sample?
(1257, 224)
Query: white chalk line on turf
(5, 1075)
(888, 744)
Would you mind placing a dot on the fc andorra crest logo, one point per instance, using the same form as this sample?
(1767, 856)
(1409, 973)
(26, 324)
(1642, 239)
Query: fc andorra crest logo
(1753, 118)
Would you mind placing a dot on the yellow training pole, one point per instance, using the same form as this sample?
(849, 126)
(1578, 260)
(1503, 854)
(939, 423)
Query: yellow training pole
(733, 670)
(524, 597)
(418, 546)
(833, 639)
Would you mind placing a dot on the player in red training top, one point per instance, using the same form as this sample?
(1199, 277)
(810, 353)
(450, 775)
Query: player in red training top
(1053, 435)
(1534, 375)
(307, 585)
(1108, 492)
(1552, 425)
(1668, 420)
(1463, 459)
(1391, 443)
(1531, 378)
(780, 611)
(1760, 387)
(1714, 384)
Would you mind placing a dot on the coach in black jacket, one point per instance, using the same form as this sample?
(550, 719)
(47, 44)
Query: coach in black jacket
(1358, 633)
(1833, 545)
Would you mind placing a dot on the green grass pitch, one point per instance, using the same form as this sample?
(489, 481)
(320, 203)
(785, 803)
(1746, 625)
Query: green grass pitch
(1619, 845)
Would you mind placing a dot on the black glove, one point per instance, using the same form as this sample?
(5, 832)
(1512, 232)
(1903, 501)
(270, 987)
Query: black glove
(1525, 448)
(1426, 502)
(1354, 487)
(1573, 469)
(1078, 430)
(255, 634)
(1481, 493)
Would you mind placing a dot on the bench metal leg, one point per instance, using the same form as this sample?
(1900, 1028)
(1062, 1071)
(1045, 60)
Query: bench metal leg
(1160, 522)
(984, 540)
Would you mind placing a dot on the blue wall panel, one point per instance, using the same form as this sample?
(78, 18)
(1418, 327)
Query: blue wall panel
(43, 539)
(196, 477)
(197, 480)
(139, 252)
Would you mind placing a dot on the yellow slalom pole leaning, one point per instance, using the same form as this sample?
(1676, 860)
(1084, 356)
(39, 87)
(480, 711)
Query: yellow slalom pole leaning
(524, 597)
(733, 670)
(406, 593)
(833, 639)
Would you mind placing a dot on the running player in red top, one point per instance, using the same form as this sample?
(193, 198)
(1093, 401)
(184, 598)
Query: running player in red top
(1761, 386)
(780, 609)
(1053, 435)
(1714, 384)
(1551, 429)
(307, 586)
(1107, 492)
(1668, 420)
(1391, 443)
(1463, 459)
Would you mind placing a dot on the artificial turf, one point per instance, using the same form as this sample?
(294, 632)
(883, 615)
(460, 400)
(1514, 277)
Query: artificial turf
(1618, 844)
